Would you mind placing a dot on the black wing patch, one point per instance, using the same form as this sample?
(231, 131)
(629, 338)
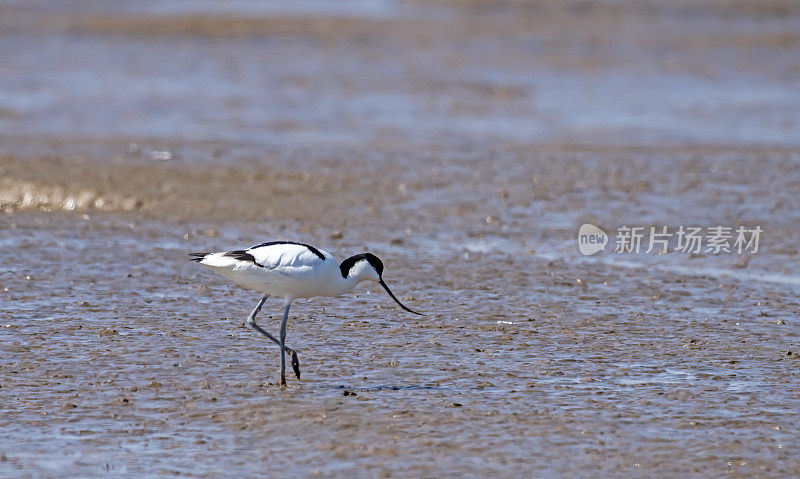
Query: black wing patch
(242, 255)
(272, 243)
(198, 256)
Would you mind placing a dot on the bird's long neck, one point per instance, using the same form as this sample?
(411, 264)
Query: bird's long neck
(344, 285)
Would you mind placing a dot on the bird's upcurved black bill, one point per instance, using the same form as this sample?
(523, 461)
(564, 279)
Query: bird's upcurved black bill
(397, 300)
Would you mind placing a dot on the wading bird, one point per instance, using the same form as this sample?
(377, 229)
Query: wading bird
(290, 270)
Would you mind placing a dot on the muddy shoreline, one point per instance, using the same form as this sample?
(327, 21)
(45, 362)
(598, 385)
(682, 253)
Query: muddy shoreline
(463, 145)
(111, 338)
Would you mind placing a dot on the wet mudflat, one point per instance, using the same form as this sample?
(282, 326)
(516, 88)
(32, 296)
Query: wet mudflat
(468, 167)
(118, 353)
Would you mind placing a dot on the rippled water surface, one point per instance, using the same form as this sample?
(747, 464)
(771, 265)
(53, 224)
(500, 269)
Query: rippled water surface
(464, 145)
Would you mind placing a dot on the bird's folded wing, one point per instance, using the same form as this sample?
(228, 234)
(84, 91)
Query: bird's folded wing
(283, 255)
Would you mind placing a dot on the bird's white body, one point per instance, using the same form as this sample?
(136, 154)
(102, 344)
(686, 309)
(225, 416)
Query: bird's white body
(284, 270)
(290, 270)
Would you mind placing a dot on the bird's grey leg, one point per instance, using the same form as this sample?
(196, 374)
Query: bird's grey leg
(252, 318)
(251, 321)
(283, 344)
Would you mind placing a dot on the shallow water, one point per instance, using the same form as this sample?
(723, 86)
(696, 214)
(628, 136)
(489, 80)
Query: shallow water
(117, 352)
(397, 73)
(466, 157)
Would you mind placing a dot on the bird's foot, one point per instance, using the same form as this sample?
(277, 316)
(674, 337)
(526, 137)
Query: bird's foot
(296, 364)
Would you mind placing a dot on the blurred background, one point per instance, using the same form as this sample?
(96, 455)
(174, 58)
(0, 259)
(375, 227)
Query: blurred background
(390, 74)
(464, 142)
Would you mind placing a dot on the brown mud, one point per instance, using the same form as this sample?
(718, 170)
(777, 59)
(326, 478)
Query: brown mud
(466, 156)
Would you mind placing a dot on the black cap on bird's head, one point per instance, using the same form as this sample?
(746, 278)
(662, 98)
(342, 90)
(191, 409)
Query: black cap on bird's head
(375, 262)
(376, 265)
